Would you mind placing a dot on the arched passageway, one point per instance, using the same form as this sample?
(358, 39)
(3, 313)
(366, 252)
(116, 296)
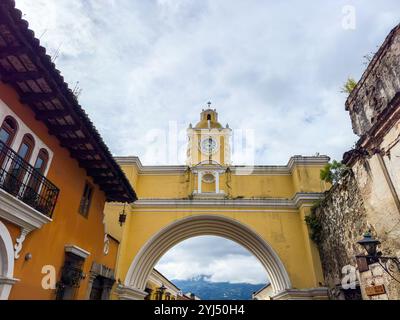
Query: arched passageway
(200, 225)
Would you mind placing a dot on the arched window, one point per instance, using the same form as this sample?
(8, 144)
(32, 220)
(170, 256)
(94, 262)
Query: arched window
(209, 117)
(19, 167)
(8, 130)
(26, 147)
(41, 161)
(36, 177)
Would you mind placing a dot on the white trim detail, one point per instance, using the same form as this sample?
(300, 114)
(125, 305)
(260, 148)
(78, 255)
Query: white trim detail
(7, 262)
(19, 241)
(198, 225)
(294, 161)
(22, 215)
(106, 248)
(320, 293)
(299, 200)
(23, 129)
(19, 213)
(77, 251)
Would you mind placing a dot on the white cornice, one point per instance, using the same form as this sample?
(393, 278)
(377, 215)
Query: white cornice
(77, 251)
(236, 169)
(20, 214)
(299, 200)
(159, 279)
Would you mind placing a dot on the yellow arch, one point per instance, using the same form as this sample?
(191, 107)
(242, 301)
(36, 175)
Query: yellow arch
(199, 225)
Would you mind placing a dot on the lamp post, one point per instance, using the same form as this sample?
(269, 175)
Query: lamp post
(370, 244)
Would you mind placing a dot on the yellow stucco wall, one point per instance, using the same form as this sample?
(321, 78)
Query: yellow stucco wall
(283, 228)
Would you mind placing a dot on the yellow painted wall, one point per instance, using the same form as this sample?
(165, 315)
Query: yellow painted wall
(282, 227)
(282, 230)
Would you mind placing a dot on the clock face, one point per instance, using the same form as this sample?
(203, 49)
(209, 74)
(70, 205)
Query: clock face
(208, 146)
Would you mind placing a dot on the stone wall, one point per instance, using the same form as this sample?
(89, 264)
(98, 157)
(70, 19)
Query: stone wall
(345, 214)
(342, 218)
(378, 85)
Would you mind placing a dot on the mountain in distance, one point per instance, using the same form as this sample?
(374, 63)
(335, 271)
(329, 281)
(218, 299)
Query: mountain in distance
(207, 290)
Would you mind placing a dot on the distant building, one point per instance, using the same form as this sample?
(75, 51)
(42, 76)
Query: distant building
(265, 293)
(160, 288)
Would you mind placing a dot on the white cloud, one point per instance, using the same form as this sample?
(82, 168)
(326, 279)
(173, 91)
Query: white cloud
(272, 67)
(220, 259)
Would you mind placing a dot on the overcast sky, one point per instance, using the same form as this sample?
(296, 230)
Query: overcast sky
(273, 67)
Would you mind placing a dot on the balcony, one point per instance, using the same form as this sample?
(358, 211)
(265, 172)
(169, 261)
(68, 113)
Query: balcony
(24, 182)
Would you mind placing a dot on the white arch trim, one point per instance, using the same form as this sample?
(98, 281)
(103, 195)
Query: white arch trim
(200, 225)
(6, 262)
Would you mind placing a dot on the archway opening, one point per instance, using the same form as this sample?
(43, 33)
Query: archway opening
(201, 225)
(208, 267)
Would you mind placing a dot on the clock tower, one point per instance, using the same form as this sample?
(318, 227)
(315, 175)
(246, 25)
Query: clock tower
(208, 141)
(209, 153)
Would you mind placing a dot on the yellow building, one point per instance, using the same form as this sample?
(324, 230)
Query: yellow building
(158, 287)
(261, 208)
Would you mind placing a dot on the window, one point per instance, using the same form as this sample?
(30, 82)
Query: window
(26, 147)
(209, 117)
(85, 201)
(36, 177)
(41, 161)
(8, 130)
(71, 276)
(18, 169)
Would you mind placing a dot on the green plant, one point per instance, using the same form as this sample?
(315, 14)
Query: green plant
(349, 86)
(333, 171)
(314, 225)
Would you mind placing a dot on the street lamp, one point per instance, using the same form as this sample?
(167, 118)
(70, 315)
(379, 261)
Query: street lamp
(370, 244)
(122, 217)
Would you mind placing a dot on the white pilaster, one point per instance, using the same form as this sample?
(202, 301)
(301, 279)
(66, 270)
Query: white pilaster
(199, 176)
(217, 182)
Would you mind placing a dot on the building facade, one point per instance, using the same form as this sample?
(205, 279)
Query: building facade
(56, 174)
(159, 287)
(260, 207)
(264, 293)
(367, 198)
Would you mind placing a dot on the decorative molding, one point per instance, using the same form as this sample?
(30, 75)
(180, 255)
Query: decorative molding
(299, 200)
(22, 215)
(128, 293)
(106, 248)
(303, 294)
(102, 270)
(77, 251)
(19, 241)
(294, 161)
(19, 213)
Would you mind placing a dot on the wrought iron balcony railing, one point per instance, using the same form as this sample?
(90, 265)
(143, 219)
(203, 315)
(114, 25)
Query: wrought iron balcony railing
(20, 179)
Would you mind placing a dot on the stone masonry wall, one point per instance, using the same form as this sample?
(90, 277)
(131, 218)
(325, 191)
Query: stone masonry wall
(343, 221)
(378, 85)
(343, 217)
